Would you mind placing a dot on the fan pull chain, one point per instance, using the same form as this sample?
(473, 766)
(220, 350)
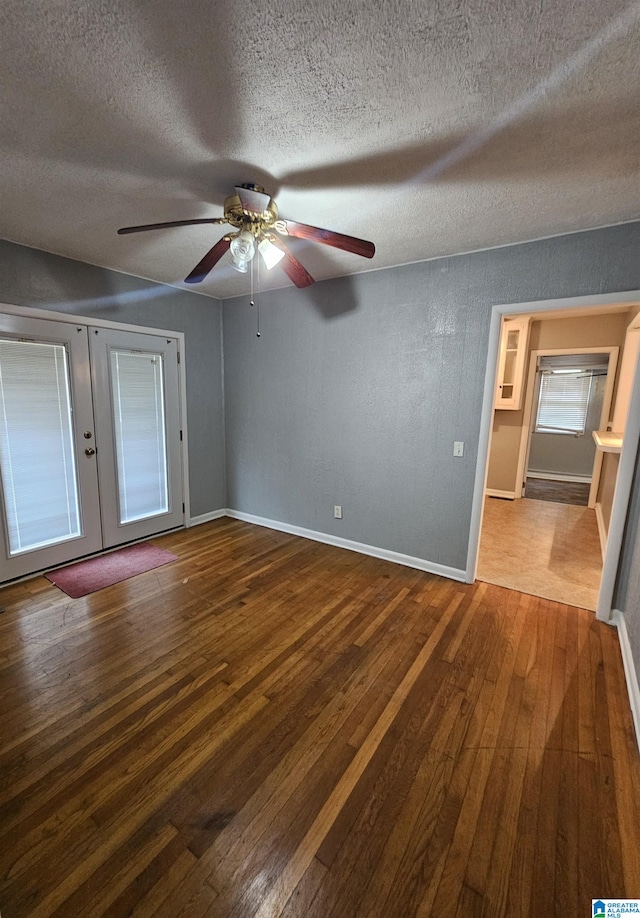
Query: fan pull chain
(255, 300)
(258, 304)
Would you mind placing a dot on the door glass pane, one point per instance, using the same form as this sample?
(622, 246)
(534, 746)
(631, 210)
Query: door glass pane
(36, 445)
(137, 389)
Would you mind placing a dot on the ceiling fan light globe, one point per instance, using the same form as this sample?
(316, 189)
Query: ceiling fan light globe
(239, 265)
(270, 254)
(243, 247)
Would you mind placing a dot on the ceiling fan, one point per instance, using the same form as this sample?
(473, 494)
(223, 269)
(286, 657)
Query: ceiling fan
(254, 215)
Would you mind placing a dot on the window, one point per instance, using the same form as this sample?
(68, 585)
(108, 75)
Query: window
(39, 478)
(137, 387)
(563, 401)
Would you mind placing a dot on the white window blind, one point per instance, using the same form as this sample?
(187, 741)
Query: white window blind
(137, 388)
(563, 402)
(36, 445)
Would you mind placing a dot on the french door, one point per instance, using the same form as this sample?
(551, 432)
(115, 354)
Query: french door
(90, 452)
(137, 411)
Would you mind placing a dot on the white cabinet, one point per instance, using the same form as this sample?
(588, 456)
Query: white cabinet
(513, 351)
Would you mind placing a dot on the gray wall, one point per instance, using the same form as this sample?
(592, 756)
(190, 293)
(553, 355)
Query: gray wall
(29, 277)
(358, 387)
(354, 395)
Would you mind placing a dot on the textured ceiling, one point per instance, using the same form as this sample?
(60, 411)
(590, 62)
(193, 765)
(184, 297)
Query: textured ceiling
(428, 127)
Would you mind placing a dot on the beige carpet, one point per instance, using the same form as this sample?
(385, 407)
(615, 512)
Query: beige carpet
(543, 548)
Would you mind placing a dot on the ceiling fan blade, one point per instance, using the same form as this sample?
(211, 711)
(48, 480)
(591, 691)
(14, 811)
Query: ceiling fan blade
(294, 270)
(209, 261)
(154, 226)
(252, 200)
(327, 237)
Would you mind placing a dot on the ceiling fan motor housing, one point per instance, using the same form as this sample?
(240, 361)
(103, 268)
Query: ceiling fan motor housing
(250, 208)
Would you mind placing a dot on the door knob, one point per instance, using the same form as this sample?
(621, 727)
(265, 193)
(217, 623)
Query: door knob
(89, 451)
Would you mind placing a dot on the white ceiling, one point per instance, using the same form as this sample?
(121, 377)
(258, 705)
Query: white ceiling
(430, 128)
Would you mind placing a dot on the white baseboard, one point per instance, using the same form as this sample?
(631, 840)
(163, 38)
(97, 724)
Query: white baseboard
(206, 517)
(453, 573)
(630, 672)
(506, 495)
(553, 476)
(602, 529)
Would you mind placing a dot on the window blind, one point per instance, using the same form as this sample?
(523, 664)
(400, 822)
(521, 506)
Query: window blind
(563, 402)
(36, 445)
(137, 388)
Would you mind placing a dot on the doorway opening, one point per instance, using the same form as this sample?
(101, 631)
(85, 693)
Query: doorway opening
(548, 544)
(569, 325)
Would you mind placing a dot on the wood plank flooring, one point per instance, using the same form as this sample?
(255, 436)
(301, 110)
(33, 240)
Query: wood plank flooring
(273, 727)
(562, 492)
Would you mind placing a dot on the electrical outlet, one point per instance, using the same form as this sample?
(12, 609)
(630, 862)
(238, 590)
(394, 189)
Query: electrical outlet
(337, 512)
(458, 448)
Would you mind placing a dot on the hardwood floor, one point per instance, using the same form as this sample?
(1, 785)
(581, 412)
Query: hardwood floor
(562, 492)
(273, 727)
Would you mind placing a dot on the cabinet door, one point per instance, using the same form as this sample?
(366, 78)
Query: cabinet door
(513, 350)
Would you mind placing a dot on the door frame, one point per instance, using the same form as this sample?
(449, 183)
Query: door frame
(36, 313)
(529, 405)
(587, 305)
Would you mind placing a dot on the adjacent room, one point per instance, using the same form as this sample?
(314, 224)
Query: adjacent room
(320, 542)
(555, 450)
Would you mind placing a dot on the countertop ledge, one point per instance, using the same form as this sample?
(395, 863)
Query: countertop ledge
(608, 441)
